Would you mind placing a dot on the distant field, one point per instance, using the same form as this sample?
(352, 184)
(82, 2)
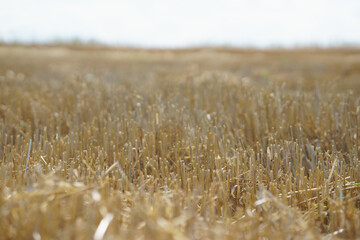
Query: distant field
(179, 144)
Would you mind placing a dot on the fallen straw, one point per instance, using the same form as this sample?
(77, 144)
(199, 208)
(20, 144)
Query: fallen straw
(104, 224)
(28, 155)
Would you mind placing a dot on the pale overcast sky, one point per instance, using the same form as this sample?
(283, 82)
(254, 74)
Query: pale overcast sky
(179, 23)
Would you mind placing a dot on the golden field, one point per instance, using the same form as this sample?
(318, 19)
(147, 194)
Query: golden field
(214, 143)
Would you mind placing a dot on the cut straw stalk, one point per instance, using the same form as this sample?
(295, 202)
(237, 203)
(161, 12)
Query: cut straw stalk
(28, 156)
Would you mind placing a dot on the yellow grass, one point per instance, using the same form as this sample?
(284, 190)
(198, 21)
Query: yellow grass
(185, 144)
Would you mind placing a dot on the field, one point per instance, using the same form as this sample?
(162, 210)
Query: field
(204, 143)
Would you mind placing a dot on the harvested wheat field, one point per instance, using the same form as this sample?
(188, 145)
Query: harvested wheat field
(219, 143)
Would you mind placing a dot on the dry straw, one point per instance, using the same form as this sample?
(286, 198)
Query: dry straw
(186, 144)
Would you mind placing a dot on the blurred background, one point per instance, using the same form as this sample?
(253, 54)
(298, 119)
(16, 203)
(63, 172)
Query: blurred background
(185, 23)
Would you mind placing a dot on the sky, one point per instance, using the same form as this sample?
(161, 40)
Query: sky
(183, 23)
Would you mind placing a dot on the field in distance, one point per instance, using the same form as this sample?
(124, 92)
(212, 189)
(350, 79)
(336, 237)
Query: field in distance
(203, 143)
